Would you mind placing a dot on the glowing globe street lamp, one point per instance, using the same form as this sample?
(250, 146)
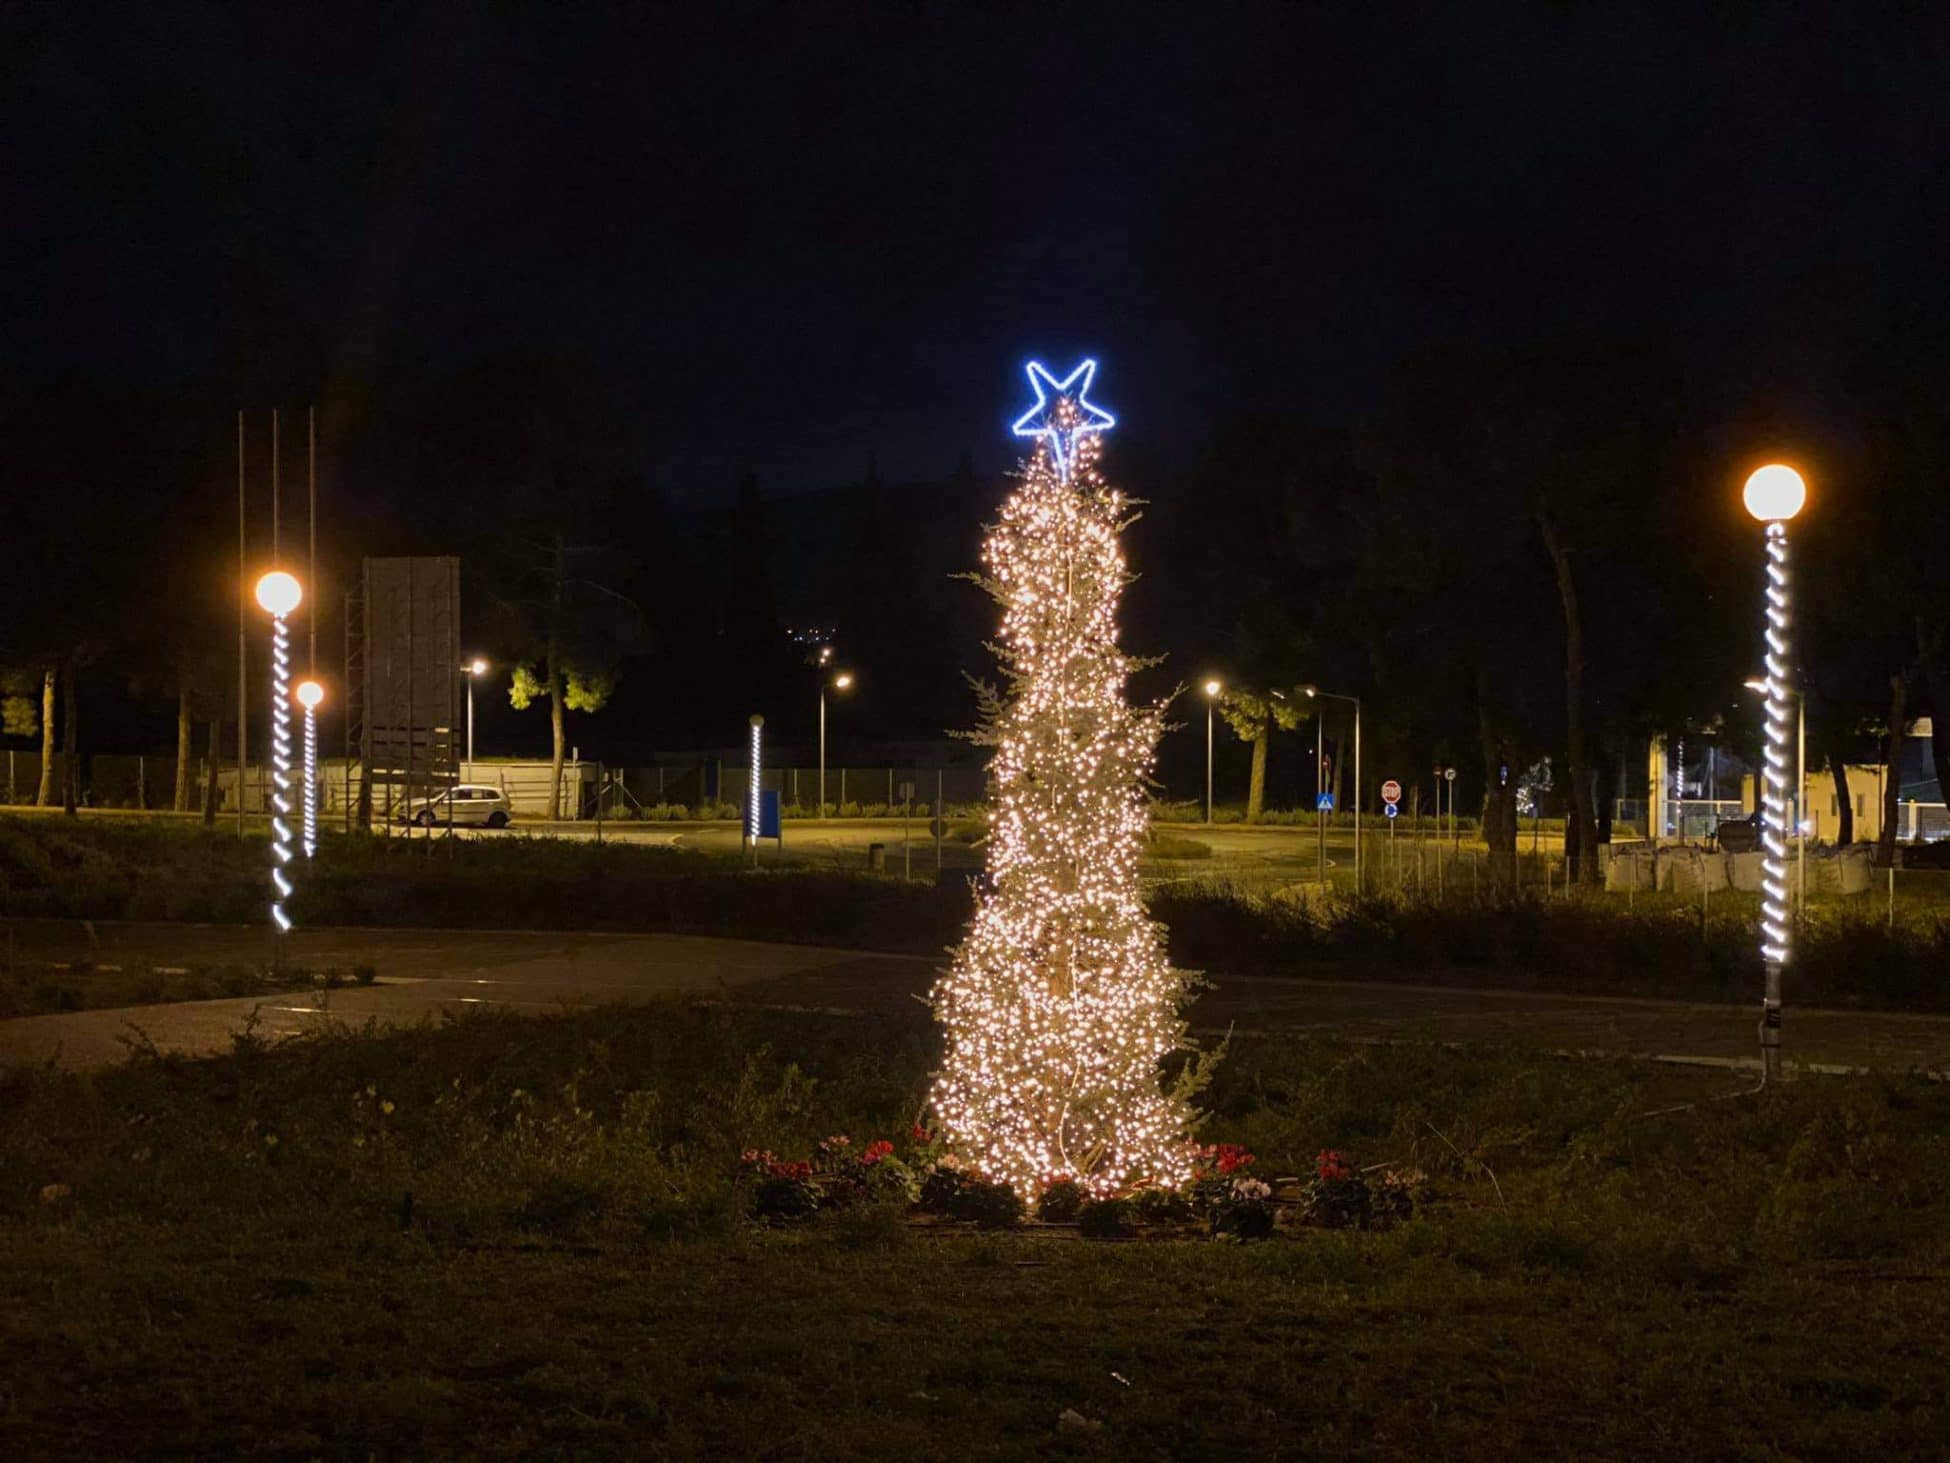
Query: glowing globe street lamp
(838, 683)
(1774, 494)
(1212, 688)
(310, 695)
(278, 594)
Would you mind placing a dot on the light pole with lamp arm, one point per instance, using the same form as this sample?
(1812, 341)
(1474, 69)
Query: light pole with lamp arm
(1212, 689)
(1314, 692)
(474, 669)
(839, 682)
(1774, 494)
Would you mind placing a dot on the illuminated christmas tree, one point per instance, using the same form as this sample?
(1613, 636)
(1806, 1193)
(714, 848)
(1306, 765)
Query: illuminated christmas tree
(1060, 1004)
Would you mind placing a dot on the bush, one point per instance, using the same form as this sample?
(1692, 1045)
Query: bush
(1060, 1202)
(1106, 1219)
(987, 1205)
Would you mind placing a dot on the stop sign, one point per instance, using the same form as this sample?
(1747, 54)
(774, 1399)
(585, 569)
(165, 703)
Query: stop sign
(1391, 791)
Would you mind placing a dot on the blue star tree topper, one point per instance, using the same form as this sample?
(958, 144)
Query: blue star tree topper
(1063, 413)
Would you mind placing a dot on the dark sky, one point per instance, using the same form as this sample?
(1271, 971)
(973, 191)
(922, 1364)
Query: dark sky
(794, 236)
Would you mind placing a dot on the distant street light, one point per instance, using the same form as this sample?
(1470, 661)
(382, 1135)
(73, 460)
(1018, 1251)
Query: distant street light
(1774, 494)
(1315, 691)
(278, 594)
(473, 670)
(839, 683)
(1212, 689)
(310, 695)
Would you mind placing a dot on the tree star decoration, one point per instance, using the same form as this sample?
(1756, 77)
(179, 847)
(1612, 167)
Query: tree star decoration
(1062, 415)
(1059, 1005)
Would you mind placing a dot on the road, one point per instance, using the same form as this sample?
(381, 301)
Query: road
(422, 973)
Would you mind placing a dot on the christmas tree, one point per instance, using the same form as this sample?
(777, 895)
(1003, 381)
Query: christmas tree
(1060, 1004)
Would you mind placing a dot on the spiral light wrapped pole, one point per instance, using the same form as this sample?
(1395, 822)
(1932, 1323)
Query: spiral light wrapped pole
(279, 594)
(1774, 494)
(310, 694)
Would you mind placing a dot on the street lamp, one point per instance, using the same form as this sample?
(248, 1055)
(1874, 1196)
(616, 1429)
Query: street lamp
(1212, 689)
(310, 695)
(1774, 494)
(752, 820)
(278, 594)
(1313, 692)
(473, 670)
(839, 683)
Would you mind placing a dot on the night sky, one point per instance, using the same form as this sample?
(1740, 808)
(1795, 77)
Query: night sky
(794, 238)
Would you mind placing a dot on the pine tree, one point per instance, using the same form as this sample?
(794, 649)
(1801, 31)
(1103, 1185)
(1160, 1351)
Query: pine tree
(1060, 1003)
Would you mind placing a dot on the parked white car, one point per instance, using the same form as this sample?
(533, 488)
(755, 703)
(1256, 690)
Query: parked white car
(471, 805)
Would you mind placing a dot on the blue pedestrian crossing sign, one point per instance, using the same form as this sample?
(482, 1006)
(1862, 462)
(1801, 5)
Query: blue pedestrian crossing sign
(1324, 803)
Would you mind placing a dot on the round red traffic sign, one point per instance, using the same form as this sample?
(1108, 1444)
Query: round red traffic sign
(1391, 791)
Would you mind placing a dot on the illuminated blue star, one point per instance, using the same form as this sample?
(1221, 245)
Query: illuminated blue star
(1042, 419)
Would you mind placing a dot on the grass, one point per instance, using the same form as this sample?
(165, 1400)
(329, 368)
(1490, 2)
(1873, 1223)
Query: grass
(222, 1258)
(1656, 945)
(36, 989)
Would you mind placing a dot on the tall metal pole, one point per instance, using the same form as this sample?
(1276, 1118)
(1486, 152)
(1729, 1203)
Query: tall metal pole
(820, 811)
(1801, 801)
(243, 598)
(1208, 760)
(1359, 886)
(1320, 778)
(470, 721)
(311, 533)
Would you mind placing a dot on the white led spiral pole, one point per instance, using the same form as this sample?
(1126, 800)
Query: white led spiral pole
(752, 794)
(310, 695)
(278, 593)
(1774, 494)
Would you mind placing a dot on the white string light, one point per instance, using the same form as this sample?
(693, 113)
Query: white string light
(752, 794)
(1060, 1003)
(310, 693)
(279, 593)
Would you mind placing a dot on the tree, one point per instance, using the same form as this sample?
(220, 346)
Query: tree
(1060, 1003)
(1253, 715)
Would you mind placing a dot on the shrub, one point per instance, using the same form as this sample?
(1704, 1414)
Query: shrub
(1060, 1202)
(987, 1205)
(1106, 1218)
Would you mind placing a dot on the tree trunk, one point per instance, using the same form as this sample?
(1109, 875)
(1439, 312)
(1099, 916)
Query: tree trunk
(211, 756)
(1499, 799)
(1844, 804)
(1892, 771)
(554, 672)
(1256, 785)
(46, 793)
(1579, 834)
(71, 744)
(181, 801)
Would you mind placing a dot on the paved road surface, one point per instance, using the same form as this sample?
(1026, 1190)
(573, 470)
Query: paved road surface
(423, 972)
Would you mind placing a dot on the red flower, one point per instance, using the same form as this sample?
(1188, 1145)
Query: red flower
(920, 1134)
(877, 1151)
(1329, 1165)
(1232, 1157)
(799, 1170)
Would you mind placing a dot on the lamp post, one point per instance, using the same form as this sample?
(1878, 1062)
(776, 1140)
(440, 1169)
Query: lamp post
(1802, 828)
(278, 594)
(1314, 692)
(474, 669)
(310, 695)
(1774, 494)
(751, 792)
(1212, 689)
(838, 683)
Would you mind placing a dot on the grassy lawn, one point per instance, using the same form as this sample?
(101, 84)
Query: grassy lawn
(200, 1259)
